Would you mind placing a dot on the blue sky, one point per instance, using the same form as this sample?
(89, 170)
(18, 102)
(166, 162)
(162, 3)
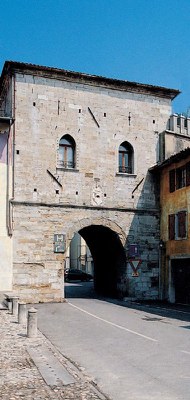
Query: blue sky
(146, 41)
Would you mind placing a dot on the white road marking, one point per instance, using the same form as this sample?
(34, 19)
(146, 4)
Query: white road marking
(112, 323)
(186, 352)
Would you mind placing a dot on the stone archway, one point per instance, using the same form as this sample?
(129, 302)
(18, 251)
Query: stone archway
(85, 222)
(106, 241)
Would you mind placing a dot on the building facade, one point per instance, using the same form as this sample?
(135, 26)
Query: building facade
(174, 175)
(78, 157)
(78, 255)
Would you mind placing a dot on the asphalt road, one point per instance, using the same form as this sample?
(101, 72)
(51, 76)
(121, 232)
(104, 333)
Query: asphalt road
(131, 352)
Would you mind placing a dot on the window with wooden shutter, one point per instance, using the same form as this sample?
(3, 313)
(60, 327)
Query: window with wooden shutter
(172, 180)
(171, 226)
(181, 222)
(188, 174)
(126, 156)
(66, 152)
(180, 177)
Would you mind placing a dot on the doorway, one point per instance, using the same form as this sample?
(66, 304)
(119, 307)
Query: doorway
(181, 280)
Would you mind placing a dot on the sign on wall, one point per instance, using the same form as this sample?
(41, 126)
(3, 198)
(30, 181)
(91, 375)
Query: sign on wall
(135, 264)
(133, 250)
(59, 243)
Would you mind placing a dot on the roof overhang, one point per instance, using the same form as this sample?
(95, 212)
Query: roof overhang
(12, 67)
(182, 155)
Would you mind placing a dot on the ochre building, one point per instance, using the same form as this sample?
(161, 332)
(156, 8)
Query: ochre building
(174, 175)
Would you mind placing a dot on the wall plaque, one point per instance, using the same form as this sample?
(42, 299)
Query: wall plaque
(59, 243)
(133, 250)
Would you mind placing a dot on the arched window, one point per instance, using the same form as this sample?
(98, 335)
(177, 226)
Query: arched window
(126, 158)
(66, 152)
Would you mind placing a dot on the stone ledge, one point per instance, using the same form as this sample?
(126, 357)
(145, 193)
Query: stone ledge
(7, 302)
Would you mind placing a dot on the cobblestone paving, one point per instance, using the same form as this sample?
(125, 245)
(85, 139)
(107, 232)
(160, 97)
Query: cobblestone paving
(20, 378)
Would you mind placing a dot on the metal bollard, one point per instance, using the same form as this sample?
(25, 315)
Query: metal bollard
(32, 323)
(15, 305)
(21, 313)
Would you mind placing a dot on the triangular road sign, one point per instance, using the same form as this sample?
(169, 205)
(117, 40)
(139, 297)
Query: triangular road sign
(135, 264)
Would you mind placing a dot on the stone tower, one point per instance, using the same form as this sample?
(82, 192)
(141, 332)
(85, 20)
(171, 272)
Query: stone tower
(78, 151)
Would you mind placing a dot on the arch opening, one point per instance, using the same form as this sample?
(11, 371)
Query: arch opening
(108, 256)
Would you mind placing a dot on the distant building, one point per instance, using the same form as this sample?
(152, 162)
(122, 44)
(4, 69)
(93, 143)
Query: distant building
(75, 158)
(78, 255)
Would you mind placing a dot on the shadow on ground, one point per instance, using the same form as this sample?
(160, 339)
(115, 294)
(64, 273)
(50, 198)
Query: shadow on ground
(159, 308)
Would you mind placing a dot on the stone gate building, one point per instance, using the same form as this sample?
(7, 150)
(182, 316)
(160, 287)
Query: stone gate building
(75, 150)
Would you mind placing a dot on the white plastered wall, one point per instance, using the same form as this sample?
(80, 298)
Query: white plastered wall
(5, 240)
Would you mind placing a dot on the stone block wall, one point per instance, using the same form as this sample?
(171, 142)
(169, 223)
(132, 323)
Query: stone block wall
(39, 126)
(38, 271)
(45, 110)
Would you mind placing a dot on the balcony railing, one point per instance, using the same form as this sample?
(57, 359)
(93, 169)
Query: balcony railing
(66, 164)
(125, 170)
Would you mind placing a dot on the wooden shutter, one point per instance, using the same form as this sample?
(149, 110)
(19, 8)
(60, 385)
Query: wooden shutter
(181, 218)
(188, 174)
(172, 180)
(171, 226)
(180, 177)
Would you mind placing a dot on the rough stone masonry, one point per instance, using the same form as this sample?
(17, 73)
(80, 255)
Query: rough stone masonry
(112, 209)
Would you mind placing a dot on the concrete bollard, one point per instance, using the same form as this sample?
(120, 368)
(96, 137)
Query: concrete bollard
(10, 305)
(15, 305)
(32, 323)
(21, 313)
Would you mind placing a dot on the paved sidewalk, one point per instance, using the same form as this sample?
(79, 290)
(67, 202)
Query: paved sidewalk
(20, 377)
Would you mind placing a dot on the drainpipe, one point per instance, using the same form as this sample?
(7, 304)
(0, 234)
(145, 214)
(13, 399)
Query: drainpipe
(160, 270)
